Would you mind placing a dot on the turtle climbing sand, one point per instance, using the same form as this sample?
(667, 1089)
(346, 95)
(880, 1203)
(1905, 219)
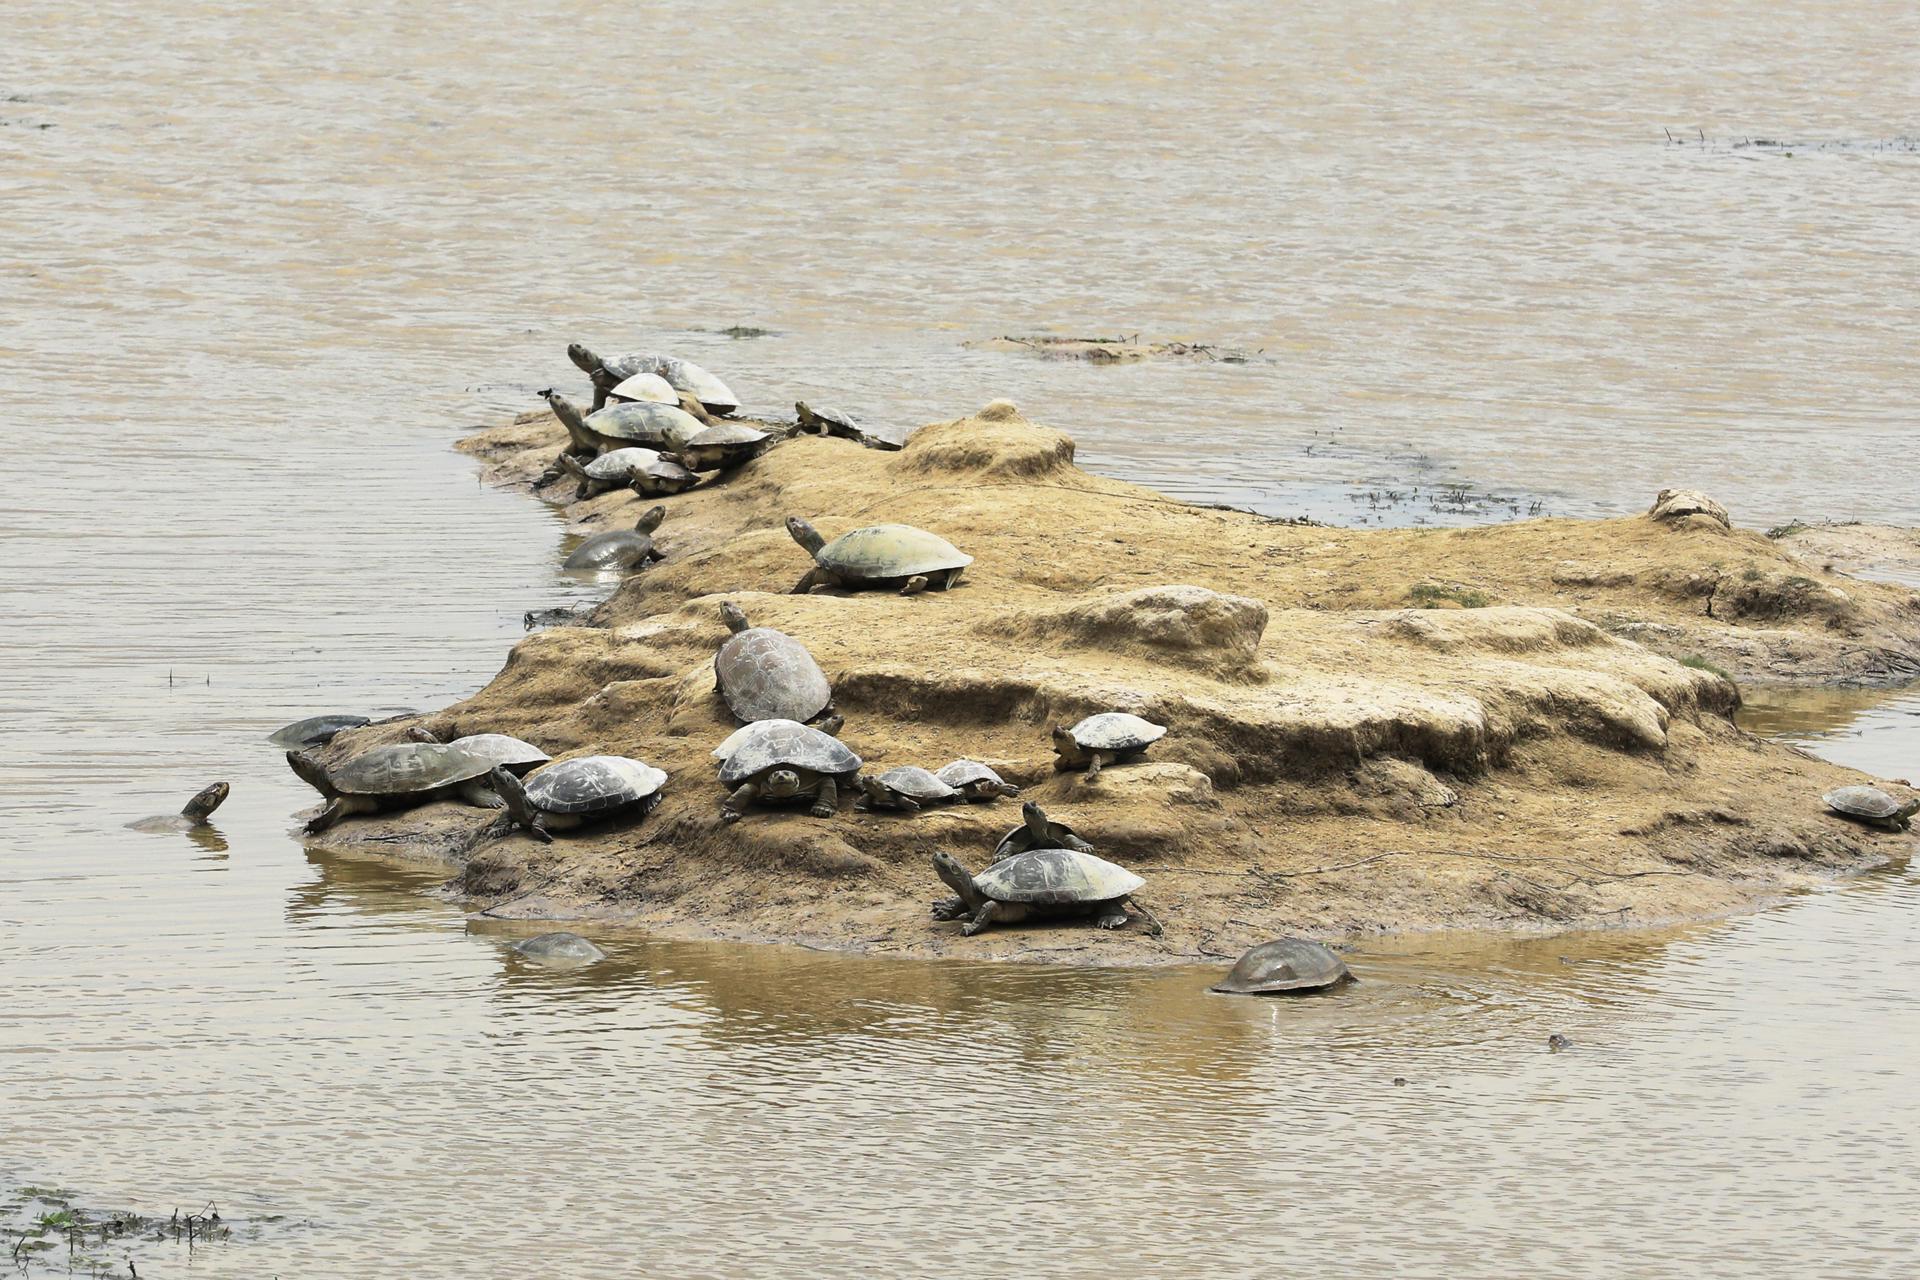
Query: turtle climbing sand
(573, 793)
(1872, 807)
(195, 814)
(623, 549)
(890, 556)
(1038, 831)
(767, 675)
(1281, 966)
(1104, 739)
(1038, 884)
(786, 762)
(902, 790)
(392, 777)
(975, 781)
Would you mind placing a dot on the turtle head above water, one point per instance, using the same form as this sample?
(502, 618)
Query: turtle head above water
(583, 358)
(806, 535)
(202, 805)
(307, 767)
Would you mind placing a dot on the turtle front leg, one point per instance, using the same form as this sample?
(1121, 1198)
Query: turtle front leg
(985, 916)
(1070, 841)
(915, 585)
(949, 909)
(812, 579)
(826, 800)
(479, 795)
(335, 810)
(538, 830)
(735, 805)
(1094, 760)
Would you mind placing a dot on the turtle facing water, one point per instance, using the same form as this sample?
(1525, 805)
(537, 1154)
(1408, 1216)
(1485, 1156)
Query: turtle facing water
(1037, 884)
(682, 375)
(195, 814)
(573, 793)
(1872, 806)
(648, 472)
(516, 755)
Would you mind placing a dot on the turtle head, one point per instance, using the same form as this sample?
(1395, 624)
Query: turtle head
(202, 805)
(690, 404)
(1035, 817)
(782, 783)
(730, 614)
(831, 725)
(806, 535)
(563, 409)
(1064, 742)
(307, 767)
(420, 733)
(573, 466)
(956, 877)
(513, 794)
(583, 359)
(650, 519)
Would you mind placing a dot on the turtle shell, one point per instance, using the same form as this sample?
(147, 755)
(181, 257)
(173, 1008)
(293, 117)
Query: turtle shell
(1863, 802)
(404, 769)
(593, 784)
(500, 748)
(733, 740)
(890, 551)
(1288, 964)
(657, 426)
(620, 549)
(722, 443)
(1116, 731)
(559, 948)
(621, 465)
(961, 772)
(681, 375)
(832, 421)
(1056, 877)
(787, 745)
(916, 783)
(768, 675)
(647, 386)
(315, 730)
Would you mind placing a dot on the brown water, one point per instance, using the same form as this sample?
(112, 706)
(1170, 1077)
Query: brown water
(258, 268)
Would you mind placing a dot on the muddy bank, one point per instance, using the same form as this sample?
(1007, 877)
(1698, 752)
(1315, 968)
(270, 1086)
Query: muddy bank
(1340, 760)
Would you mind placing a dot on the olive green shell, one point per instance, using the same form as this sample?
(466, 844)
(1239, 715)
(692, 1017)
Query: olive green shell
(890, 551)
(404, 769)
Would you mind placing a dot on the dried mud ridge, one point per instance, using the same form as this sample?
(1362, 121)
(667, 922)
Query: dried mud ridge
(1339, 763)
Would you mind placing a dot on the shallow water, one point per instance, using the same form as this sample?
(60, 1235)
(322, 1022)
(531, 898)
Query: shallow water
(261, 267)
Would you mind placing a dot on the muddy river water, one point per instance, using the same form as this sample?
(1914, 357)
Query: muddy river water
(259, 268)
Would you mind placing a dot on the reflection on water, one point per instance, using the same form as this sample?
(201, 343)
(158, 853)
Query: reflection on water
(1875, 730)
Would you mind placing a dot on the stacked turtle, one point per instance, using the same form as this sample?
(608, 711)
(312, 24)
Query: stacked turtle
(1040, 870)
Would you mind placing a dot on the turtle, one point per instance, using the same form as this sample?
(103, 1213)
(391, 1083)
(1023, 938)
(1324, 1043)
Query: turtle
(682, 375)
(579, 440)
(723, 446)
(573, 793)
(315, 731)
(392, 777)
(828, 422)
(975, 781)
(1103, 739)
(621, 549)
(648, 472)
(881, 555)
(1038, 883)
(1037, 831)
(786, 761)
(644, 423)
(645, 386)
(1872, 806)
(829, 725)
(561, 950)
(907, 788)
(767, 675)
(516, 756)
(1283, 965)
(195, 814)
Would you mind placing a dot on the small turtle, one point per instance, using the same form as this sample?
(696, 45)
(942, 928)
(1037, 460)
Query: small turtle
(681, 375)
(830, 725)
(573, 793)
(828, 422)
(645, 386)
(315, 731)
(622, 549)
(881, 555)
(723, 446)
(392, 777)
(907, 788)
(195, 814)
(561, 950)
(1037, 831)
(1038, 883)
(1872, 806)
(1286, 964)
(786, 761)
(648, 472)
(516, 756)
(766, 674)
(1101, 740)
(975, 781)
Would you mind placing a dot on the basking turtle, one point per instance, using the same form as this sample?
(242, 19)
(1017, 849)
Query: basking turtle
(573, 793)
(907, 788)
(642, 423)
(648, 472)
(195, 814)
(393, 777)
(1037, 831)
(1101, 740)
(579, 439)
(828, 422)
(881, 555)
(562, 950)
(1286, 964)
(315, 731)
(1872, 806)
(645, 386)
(975, 781)
(723, 446)
(622, 549)
(830, 725)
(1035, 884)
(786, 761)
(766, 674)
(681, 375)
(516, 756)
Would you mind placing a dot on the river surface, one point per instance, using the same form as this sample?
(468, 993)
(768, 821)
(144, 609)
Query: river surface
(261, 266)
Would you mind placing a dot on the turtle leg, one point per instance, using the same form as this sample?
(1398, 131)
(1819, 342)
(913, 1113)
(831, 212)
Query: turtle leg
(807, 583)
(335, 810)
(949, 909)
(736, 804)
(538, 830)
(1070, 841)
(479, 795)
(915, 585)
(1094, 760)
(826, 801)
(985, 916)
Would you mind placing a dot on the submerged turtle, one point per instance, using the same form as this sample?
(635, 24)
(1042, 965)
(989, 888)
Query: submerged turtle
(645, 386)
(562, 950)
(1038, 883)
(766, 674)
(1037, 831)
(622, 549)
(1286, 964)
(1101, 740)
(1872, 806)
(393, 777)
(576, 792)
(195, 814)
(723, 446)
(681, 375)
(786, 761)
(829, 725)
(881, 555)
(975, 781)
(315, 731)
(648, 472)
(907, 788)
(512, 753)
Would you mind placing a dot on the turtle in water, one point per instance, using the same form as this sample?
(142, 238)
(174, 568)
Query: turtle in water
(1037, 884)
(882, 555)
(393, 777)
(315, 731)
(786, 761)
(975, 781)
(648, 472)
(512, 753)
(682, 375)
(622, 549)
(573, 793)
(1037, 831)
(767, 675)
(1281, 966)
(829, 725)
(195, 814)
(1098, 741)
(1872, 806)
(904, 789)
(834, 422)
(561, 950)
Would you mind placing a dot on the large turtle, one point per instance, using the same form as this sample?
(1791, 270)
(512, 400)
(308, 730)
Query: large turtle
(1038, 883)
(195, 814)
(829, 725)
(1872, 806)
(573, 793)
(1286, 964)
(723, 446)
(1037, 831)
(975, 781)
(904, 789)
(766, 674)
(621, 549)
(514, 754)
(881, 555)
(393, 777)
(648, 472)
(1103, 739)
(786, 761)
(682, 375)
(315, 731)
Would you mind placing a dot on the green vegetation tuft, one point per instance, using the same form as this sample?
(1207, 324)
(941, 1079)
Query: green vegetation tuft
(1428, 595)
(1699, 663)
